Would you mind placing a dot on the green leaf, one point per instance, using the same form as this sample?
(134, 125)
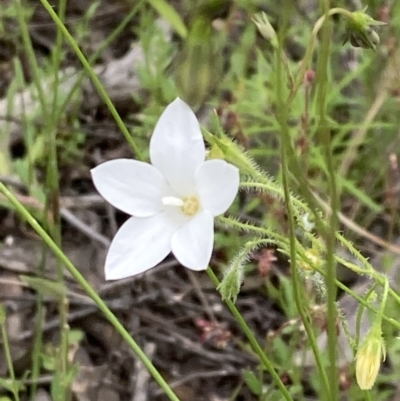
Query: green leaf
(75, 336)
(170, 14)
(360, 195)
(10, 385)
(46, 287)
(252, 382)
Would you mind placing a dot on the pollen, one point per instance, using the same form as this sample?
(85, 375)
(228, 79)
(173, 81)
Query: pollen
(191, 205)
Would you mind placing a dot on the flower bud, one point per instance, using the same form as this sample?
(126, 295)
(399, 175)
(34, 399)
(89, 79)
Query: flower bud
(215, 153)
(232, 281)
(199, 64)
(359, 31)
(368, 358)
(311, 261)
(265, 28)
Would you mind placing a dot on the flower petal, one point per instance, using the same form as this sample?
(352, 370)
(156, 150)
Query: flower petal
(217, 184)
(140, 244)
(177, 147)
(134, 187)
(192, 244)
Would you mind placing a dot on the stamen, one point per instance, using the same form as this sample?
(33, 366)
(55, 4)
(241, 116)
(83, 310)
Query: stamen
(191, 205)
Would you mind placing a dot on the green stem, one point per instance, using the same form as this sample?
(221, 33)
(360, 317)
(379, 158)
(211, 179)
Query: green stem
(285, 151)
(7, 351)
(53, 202)
(329, 232)
(362, 301)
(31, 57)
(90, 291)
(310, 48)
(385, 294)
(271, 188)
(118, 30)
(96, 81)
(360, 313)
(253, 341)
(250, 228)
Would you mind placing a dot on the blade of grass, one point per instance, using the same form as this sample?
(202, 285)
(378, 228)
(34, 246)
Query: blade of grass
(170, 14)
(90, 291)
(96, 81)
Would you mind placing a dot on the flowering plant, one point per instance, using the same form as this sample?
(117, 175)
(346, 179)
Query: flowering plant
(172, 201)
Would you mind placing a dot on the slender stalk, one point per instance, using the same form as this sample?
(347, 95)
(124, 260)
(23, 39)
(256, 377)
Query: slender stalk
(26, 39)
(38, 341)
(253, 341)
(275, 237)
(285, 150)
(53, 202)
(7, 351)
(113, 36)
(90, 291)
(310, 48)
(96, 81)
(329, 232)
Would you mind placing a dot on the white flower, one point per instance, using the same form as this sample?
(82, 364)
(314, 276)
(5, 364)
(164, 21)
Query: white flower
(173, 200)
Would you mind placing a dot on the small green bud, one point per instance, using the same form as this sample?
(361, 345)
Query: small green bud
(265, 28)
(311, 261)
(372, 297)
(229, 287)
(359, 32)
(199, 64)
(215, 153)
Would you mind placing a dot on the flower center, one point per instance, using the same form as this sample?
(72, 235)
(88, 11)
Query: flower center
(189, 205)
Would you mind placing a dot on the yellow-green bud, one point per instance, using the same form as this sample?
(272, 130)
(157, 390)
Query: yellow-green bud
(368, 358)
(311, 261)
(231, 283)
(215, 153)
(198, 64)
(265, 28)
(372, 297)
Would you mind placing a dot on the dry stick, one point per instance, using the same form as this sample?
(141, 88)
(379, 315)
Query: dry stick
(133, 345)
(358, 137)
(197, 287)
(359, 230)
(119, 78)
(140, 392)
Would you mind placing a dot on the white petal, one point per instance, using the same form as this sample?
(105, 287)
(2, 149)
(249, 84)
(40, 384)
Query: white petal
(134, 187)
(192, 244)
(177, 146)
(217, 185)
(140, 244)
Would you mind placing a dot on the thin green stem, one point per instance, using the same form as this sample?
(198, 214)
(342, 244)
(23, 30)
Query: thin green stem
(7, 351)
(385, 294)
(368, 270)
(285, 151)
(249, 227)
(31, 57)
(253, 341)
(53, 200)
(271, 188)
(90, 291)
(310, 48)
(96, 81)
(365, 303)
(113, 36)
(37, 343)
(329, 232)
